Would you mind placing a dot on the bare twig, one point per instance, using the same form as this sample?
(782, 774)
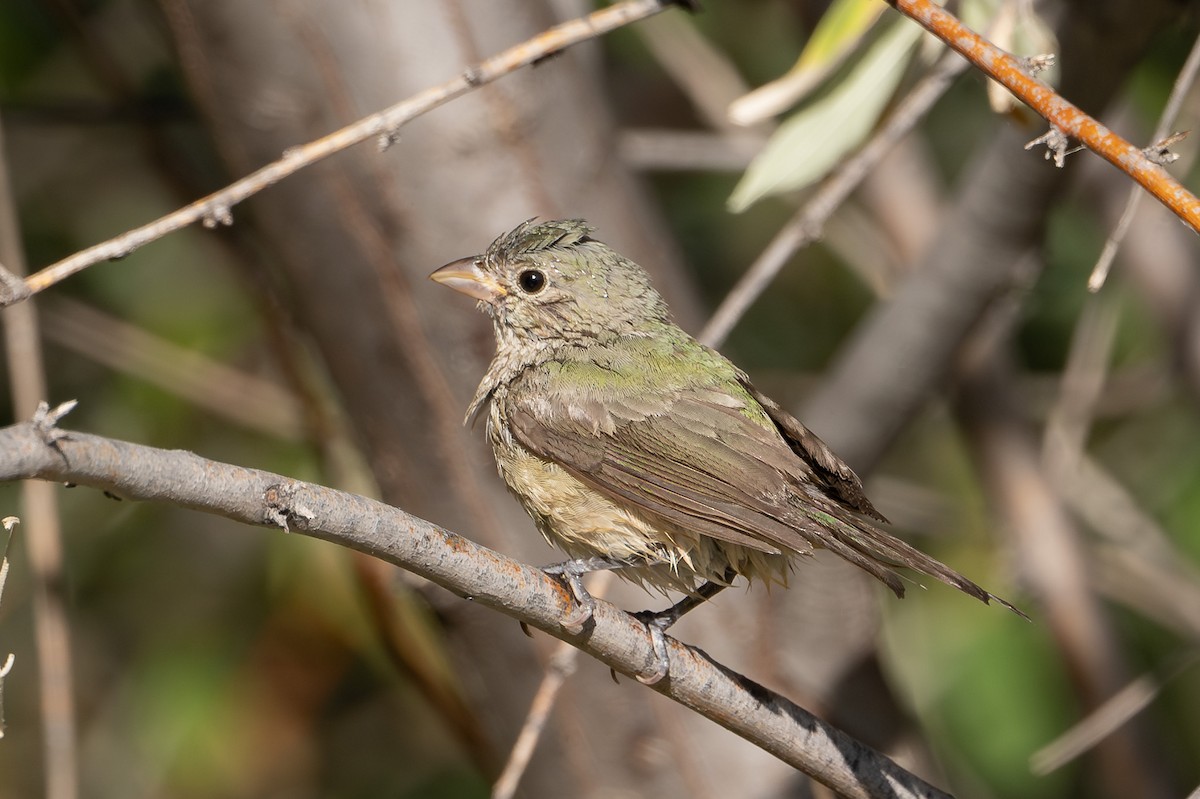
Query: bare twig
(27, 371)
(216, 208)
(687, 150)
(1082, 382)
(1179, 91)
(1126, 703)
(806, 225)
(1013, 73)
(561, 666)
(487, 577)
(9, 523)
(1053, 558)
(235, 395)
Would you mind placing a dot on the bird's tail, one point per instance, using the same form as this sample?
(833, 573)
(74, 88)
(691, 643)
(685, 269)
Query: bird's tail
(879, 553)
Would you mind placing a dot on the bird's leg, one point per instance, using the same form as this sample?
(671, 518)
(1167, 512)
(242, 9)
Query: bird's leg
(657, 622)
(571, 572)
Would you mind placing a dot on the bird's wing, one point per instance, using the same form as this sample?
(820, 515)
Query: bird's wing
(831, 471)
(690, 456)
(697, 458)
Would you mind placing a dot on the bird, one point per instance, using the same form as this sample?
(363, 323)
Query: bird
(636, 448)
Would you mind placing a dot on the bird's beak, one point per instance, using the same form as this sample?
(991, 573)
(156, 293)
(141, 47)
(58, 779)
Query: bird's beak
(465, 275)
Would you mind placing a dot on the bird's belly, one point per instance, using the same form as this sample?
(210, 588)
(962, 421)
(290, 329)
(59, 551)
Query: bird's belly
(577, 518)
(584, 523)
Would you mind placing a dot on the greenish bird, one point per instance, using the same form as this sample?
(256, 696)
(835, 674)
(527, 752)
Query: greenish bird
(635, 447)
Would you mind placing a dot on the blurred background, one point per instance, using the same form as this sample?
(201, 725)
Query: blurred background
(940, 336)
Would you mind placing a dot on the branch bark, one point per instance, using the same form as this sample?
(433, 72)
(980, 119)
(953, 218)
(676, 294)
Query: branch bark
(904, 349)
(40, 451)
(1063, 116)
(216, 209)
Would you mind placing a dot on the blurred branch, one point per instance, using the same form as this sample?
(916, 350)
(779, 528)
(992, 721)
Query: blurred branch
(904, 349)
(240, 397)
(1070, 419)
(1183, 84)
(1109, 716)
(1064, 117)
(807, 224)
(9, 523)
(710, 81)
(1165, 594)
(27, 372)
(560, 667)
(688, 150)
(216, 208)
(37, 449)
(704, 73)
(1053, 559)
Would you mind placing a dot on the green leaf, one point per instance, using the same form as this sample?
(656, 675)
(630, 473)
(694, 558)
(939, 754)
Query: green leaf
(812, 141)
(839, 31)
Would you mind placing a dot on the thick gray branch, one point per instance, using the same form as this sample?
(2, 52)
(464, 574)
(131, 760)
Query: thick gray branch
(255, 497)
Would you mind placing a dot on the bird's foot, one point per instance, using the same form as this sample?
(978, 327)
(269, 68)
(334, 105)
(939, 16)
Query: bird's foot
(571, 572)
(656, 624)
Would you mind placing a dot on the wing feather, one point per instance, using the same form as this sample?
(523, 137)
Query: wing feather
(839, 478)
(673, 465)
(699, 460)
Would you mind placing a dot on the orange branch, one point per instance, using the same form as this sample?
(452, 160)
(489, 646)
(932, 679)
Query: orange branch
(1011, 72)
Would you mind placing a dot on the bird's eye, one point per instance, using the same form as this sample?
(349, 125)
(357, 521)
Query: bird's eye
(532, 281)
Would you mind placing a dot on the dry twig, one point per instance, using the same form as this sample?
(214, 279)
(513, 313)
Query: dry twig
(1183, 84)
(27, 375)
(806, 225)
(1013, 73)
(9, 523)
(216, 209)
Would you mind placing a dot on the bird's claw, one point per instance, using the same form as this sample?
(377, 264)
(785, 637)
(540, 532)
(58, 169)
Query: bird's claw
(658, 641)
(571, 572)
(655, 623)
(577, 618)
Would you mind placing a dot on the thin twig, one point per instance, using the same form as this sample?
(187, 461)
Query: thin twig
(1110, 715)
(9, 523)
(806, 225)
(1183, 84)
(1013, 73)
(27, 371)
(561, 666)
(1082, 382)
(245, 399)
(487, 577)
(215, 209)
(706, 75)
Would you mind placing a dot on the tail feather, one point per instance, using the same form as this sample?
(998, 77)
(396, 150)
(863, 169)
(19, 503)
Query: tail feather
(878, 552)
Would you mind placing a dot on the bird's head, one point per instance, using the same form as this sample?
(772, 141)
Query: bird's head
(550, 281)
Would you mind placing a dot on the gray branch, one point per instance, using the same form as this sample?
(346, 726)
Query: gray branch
(40, 451)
